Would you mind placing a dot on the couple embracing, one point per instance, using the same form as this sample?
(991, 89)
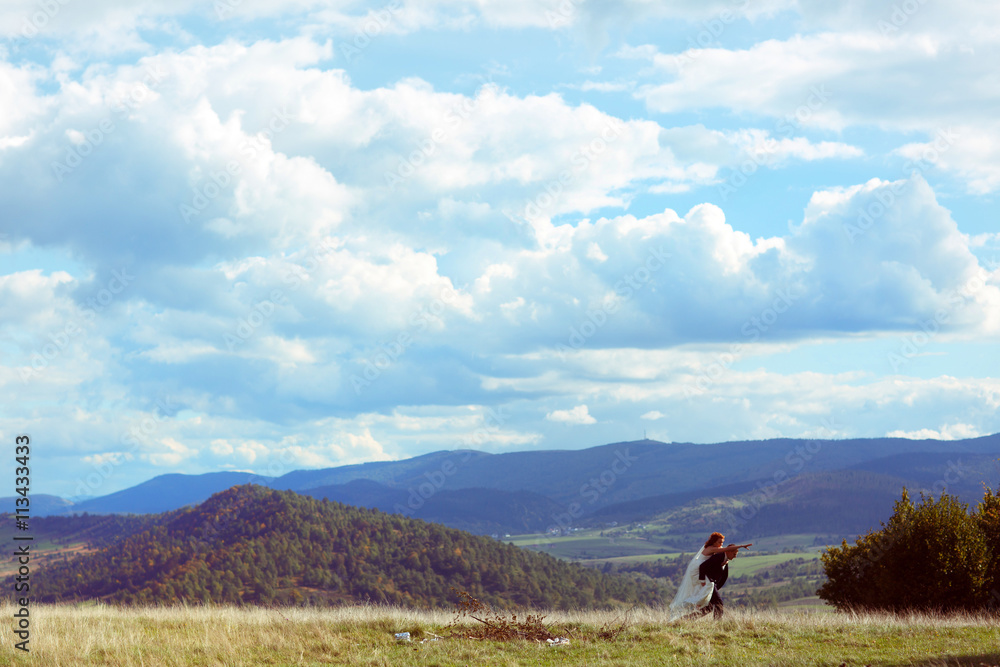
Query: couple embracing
(707, 572)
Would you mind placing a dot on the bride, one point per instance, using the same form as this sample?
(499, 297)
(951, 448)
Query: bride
(693, 594)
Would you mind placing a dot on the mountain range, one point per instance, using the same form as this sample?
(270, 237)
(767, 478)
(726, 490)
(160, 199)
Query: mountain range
(531, 491)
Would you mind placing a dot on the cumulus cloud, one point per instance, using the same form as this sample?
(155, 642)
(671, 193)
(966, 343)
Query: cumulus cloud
(861, 77)
(947, 432)
(355, 267)
(577, 415)
(115, 26)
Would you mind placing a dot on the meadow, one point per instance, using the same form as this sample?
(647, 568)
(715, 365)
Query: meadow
(103, 635)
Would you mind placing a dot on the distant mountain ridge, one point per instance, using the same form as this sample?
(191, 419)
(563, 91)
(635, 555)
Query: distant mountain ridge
(514, 491)
(841, 502)
(480, 511)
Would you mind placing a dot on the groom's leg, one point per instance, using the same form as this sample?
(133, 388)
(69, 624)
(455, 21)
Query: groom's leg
(717, 605)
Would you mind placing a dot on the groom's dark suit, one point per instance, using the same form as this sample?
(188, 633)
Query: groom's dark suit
(715, 569)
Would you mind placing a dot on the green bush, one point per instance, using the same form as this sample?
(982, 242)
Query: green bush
(934, 556)
(988, 516)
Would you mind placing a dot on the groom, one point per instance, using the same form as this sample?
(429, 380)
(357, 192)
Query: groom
(716, 570)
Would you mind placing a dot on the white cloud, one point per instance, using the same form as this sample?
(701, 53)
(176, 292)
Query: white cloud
(862, 78)
(605, 86)
(970, 151)
(18, 103)
(761, 144)
(947, 432)
(168, 453)
(578, 415)
(509, 246)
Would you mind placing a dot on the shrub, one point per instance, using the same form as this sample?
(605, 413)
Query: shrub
(988, 517)
(934, 556)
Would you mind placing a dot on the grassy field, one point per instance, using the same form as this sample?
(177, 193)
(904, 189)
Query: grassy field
(587, 545)
(752, 564)
(100, 635)
(608, 543)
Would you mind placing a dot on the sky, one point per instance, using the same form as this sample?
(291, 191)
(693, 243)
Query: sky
(264, 236)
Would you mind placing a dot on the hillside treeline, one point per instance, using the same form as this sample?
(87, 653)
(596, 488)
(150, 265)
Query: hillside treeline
(935, 556)
(843, 502)
(254, 545)
(97, 530)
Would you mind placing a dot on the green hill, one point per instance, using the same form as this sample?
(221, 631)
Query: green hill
(250, 544)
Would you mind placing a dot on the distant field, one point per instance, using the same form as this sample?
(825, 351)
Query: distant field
(743, 564)
(590, 547)
(123, 637)
(43, 551)
(615, 542)
(587, 545)
(804, 540)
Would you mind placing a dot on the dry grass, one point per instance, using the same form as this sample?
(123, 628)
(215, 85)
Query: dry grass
(102, 635)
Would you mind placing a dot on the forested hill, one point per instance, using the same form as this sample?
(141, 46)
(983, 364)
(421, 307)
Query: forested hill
(250, 544)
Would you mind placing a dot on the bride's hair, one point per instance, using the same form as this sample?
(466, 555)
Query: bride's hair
(713, 537)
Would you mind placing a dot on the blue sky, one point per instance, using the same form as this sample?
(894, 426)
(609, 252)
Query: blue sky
(257, 235)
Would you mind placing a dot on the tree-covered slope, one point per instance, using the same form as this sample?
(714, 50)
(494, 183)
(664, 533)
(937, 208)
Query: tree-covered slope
(250, 544)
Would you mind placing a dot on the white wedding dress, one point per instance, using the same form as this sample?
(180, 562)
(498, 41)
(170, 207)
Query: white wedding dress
(691, 595)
